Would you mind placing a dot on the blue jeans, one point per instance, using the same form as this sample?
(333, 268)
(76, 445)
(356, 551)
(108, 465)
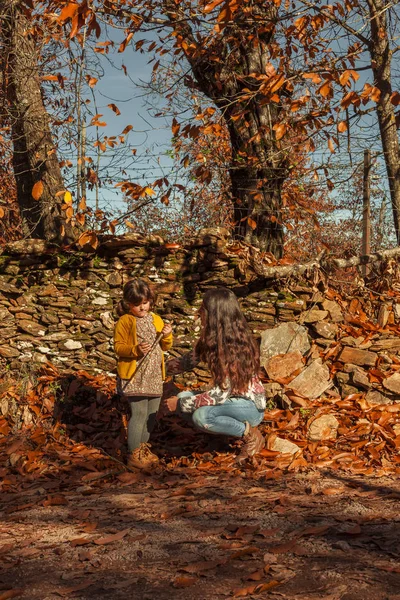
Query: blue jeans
(228, 418)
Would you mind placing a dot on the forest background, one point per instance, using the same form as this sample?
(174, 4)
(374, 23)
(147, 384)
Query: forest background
(165, 117)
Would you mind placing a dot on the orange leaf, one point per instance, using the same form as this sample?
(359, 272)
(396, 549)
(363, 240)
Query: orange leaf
(395, 98)
(184, 581)
(109, 539)
(342, 126)
(252, 223)
(68, 11)
(88, 238)
(11, 594)
(114, 108)
(2, 212)
(37, 190)
(280, 130)
(326, 90)
(209, 7)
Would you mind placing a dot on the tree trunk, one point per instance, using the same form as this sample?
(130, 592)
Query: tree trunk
(259, 163)
(381, 58)
(34, 157)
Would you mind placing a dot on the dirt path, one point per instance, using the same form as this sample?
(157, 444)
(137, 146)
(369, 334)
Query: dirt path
(182, 533)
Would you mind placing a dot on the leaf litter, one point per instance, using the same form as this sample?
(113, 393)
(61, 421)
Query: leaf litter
(320, 523)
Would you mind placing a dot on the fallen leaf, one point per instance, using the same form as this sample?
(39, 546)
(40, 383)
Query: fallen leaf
(10, 594)
(184, 581)
(109, 539)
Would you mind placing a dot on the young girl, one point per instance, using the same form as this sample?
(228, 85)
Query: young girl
(135, 337)
(235, 404)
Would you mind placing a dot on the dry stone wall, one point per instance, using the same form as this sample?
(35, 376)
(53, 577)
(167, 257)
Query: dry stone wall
(60, 307)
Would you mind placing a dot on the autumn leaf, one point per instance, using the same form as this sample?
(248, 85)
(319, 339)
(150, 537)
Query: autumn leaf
(280, 130)
(184, 581)
(251, 223)
(210, 7)
(11, 594)
(68, 11)
(326, 90)
(109, 539)
(37, 190)
(88, 238)
(342, 126)
(114, 108)
(395, 98)
(68, 197)
(2, 212)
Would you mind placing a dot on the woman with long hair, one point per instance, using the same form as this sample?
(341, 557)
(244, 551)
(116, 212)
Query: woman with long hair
(235, 404)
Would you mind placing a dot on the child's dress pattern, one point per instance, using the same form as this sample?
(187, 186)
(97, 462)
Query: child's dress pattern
(148, 379)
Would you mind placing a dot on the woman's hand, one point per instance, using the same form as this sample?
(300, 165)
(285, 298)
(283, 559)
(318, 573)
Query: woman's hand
(144, 347)
(166, 330)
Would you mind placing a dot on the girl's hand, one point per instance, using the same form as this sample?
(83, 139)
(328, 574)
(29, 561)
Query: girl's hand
(166, 330)
(144, 347)
(171, 403)
(174, 366)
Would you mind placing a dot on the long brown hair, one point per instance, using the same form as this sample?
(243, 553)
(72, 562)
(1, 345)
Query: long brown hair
(134, 292)
(226, 344)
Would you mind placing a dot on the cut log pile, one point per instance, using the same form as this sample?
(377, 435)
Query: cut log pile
(331, 359)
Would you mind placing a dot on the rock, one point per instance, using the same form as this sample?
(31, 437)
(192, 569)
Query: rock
(114, 279)
(100, 301)
(312, 381)
(360, 379)
(334, 310)
(272, 390)
(313, 315)
(8, 352)
(70, 345)
(283, 365)
(383, 315)
(375, 397)
(326, 330)
(31, 327)
(285, 338)
(283, 446)
(5, 315)
(386, 344)
(107, 319)
(357, 357)
(392, 383)
(323, 428)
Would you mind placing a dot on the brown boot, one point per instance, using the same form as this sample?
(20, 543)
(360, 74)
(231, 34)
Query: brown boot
(253, 443)
(141, 458)
(149, 454)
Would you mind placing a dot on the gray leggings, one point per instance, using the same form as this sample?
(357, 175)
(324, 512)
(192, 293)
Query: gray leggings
(142, 421)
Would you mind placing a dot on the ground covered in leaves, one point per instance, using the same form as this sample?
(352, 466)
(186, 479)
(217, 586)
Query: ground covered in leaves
(75, 523)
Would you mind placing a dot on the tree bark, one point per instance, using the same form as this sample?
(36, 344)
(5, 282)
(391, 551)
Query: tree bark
(259, 163)
(381, 59)
(34, 154)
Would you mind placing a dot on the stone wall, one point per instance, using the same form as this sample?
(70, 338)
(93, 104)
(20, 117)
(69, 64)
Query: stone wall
(60, 307)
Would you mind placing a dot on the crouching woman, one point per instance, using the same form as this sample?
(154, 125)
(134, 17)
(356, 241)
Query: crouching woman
(235, 404)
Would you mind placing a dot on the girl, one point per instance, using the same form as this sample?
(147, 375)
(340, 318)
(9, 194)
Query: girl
(236, 402)
(135, 337)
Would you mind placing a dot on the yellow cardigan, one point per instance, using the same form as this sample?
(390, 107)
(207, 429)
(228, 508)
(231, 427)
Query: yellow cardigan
(126, 344)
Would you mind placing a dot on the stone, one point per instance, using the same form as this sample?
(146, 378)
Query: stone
(70, 345)
(107, 319)
(285, 338)
(375, 397)
(336, 315)
(114, 279)
(100, 301)
(5, 315)
(8, 352)
(392, 383)
(323, 428)
(383, 315)
(314, 315)
(283, 365)
(326, 330)
(31, 327)
(283, 446)
(360, 379)
(357, 357)
(312, 381)
(386, 344)
(272, 390)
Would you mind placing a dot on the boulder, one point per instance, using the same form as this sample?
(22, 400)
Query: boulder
(313, 381)
(285, 338)
(357, 357)
(283, 365)
(392, 383)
